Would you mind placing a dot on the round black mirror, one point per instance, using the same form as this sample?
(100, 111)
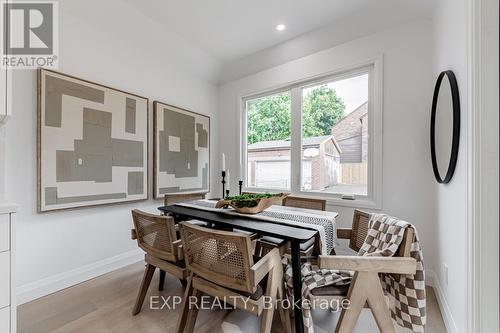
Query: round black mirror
(445, 127)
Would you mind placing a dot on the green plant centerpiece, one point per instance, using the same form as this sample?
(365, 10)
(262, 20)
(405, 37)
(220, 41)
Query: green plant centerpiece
(252, 203)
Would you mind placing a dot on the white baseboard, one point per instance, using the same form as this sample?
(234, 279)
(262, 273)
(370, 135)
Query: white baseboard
(432, 280)
(51, 284)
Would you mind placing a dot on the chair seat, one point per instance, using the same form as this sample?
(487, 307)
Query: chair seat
(330, 290)
(195, 222)
(280, 242)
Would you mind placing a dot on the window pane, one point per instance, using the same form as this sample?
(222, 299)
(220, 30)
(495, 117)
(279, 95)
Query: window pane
(268, 138)
(335, 136)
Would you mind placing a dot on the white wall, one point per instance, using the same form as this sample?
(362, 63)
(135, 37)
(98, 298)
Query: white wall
(451, 47)
(408, 181)
(133, 54)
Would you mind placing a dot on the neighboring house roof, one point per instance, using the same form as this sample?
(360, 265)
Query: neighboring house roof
(285, 144)
(350, 125)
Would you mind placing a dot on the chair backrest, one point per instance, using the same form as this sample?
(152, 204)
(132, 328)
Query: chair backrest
(155, 234)
(405, 246)
(360, 230)
(308, 203)
(171, 199)
(222, 257)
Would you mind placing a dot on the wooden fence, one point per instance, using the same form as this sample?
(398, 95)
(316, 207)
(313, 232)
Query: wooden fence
(354, 173)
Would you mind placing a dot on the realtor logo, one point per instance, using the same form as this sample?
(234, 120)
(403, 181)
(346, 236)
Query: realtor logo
(29, 34)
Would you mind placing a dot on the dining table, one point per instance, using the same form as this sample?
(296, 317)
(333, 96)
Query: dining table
(295, 234)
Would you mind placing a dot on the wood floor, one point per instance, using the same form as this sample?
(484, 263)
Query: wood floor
(104, 304)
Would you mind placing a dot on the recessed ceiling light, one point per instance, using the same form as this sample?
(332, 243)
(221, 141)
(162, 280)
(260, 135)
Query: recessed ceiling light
(280, 27)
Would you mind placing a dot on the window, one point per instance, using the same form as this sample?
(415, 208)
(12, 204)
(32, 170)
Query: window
(268, 141)
(335, 136)
(318, 137)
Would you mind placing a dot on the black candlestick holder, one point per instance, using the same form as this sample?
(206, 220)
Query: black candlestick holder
(240, 185)
(227, 193)
(223, 183)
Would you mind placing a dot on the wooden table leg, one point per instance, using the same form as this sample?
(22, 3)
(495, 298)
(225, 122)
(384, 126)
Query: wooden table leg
(297, 286)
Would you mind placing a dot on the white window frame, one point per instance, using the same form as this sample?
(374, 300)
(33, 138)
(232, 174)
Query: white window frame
(375, 115)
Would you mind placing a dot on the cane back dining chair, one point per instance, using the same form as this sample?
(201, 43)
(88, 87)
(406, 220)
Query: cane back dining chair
(174, 198)
(365, 289)
(267, 243)
(156, 235)
(221, 265)
(356, 235)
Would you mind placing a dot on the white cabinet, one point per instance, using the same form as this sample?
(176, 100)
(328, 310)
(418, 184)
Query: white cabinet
(7, 291)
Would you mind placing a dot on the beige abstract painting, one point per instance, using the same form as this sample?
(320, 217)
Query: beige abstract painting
(181, 151)
(92, 143)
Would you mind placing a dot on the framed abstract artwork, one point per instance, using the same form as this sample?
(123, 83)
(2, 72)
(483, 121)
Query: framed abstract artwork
(181, 151)
(92, 143)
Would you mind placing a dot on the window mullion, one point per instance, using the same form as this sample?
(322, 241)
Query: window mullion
(296, 139)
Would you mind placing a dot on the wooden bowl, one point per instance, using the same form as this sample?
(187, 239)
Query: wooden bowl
(262, 204)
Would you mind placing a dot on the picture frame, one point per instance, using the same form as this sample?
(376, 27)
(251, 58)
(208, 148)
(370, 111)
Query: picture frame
(96, 156)
(181, 151)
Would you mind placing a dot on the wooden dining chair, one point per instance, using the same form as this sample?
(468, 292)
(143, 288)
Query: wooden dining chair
(308, 203)
(171, 199)
(156, 235)
(221, 265)
(365, 289)
(267, 243)
(356, 234)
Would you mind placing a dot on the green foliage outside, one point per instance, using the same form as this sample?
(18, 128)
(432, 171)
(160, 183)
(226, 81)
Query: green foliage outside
(269, 117)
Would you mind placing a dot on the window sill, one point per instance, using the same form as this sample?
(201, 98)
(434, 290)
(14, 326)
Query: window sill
(364, 202)
(357, 203)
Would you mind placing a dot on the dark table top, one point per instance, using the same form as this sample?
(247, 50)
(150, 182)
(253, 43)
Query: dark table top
(283, 231)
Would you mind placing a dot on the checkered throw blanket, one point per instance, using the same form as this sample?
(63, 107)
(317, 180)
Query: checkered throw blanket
(406, 292)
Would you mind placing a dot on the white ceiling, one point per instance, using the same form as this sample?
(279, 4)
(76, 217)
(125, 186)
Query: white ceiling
(232, 29)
